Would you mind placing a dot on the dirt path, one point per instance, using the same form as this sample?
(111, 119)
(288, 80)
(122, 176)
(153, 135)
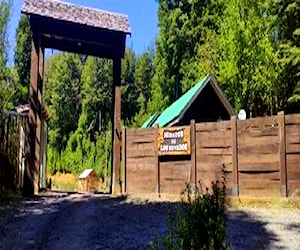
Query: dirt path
(104, 222)
(82, 222)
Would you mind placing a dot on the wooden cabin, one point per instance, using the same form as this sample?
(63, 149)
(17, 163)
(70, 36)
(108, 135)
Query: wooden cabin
(88, 181)
(204, 102)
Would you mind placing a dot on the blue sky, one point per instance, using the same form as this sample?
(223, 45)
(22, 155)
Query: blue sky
(142, 17)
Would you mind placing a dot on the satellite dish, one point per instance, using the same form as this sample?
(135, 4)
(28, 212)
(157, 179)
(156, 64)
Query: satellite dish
(242, 115)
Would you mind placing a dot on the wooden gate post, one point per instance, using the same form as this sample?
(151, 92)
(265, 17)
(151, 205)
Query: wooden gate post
(235, 170)
(282, 155)
(116, 125)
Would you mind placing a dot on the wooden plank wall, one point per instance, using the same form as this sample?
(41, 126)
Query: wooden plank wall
(141, 175)
(258, 160)
(174, 174)
(292, 130)
(213, 151)
(260, 156)
(10, 175)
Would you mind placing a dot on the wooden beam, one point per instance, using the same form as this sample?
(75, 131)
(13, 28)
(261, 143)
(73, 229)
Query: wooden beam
(282, 154)
(32, 166)
(235, 170)
(78, 33)
(116, 125)
(78, 47)
(39, 117)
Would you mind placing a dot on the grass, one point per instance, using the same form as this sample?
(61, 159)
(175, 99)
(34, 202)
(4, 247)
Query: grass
(264, 202)
(64, 182)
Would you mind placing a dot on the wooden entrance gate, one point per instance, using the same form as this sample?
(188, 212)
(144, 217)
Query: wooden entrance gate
(72, 28)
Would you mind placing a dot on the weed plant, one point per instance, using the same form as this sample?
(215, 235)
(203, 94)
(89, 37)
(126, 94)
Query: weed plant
(199, 222)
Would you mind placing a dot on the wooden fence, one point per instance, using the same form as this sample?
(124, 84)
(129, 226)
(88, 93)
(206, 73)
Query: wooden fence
(261, 157)
(12, 150)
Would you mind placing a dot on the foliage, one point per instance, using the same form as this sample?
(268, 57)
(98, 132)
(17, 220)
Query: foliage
(143, 76)
(182, 30)
(287, 28)
(96, 79)
(22, 59)
(250, 47)
(75, 93)
(62, 97)
(129, 91)
(247, 64)
(6, 92)
(200, 221)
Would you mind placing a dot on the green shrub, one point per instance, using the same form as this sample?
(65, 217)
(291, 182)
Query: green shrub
(199, 222)
(82, 153)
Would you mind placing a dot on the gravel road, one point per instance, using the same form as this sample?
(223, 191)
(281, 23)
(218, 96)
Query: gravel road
(105, 222)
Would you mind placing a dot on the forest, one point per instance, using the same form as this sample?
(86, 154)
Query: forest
(252, 49)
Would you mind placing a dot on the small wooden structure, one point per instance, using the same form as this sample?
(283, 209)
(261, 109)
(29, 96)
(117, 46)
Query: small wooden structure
(88, 181)
(204, 102)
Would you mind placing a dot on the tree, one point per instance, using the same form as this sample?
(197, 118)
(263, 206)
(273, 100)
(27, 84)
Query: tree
(5, 90)
(96, 93)
(286, 35)
(22, 59)
(62, 97)
(183, 27)
(143, 75)
(247, 66)
(129, 91)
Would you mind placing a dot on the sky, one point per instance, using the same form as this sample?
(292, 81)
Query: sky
(142, 18)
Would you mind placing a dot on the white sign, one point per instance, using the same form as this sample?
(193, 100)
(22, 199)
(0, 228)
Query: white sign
(242, 115)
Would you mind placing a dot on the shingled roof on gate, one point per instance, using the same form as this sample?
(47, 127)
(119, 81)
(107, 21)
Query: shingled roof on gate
(77, 14)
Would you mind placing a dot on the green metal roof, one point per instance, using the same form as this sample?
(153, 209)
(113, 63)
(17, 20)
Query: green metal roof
(150, 120)
(173, 111)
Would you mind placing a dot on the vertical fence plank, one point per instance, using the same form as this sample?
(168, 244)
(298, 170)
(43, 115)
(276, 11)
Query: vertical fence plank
(193, 177)
(235, 173)
(282, 154)
(124, 161)
(156, 160)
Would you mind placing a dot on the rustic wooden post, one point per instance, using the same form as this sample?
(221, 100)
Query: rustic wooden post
(156, 160)
(124, 160)
(282, 154)
(39, 118)
(193, 177)
(116, 125)
(235, 170)
(33, 161)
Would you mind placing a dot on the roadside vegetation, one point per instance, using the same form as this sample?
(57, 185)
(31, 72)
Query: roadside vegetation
(199, 222)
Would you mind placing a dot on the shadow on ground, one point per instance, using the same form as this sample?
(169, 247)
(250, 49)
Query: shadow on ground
(246, 232)
(83, 222)
(294, 227)
(73, 221)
